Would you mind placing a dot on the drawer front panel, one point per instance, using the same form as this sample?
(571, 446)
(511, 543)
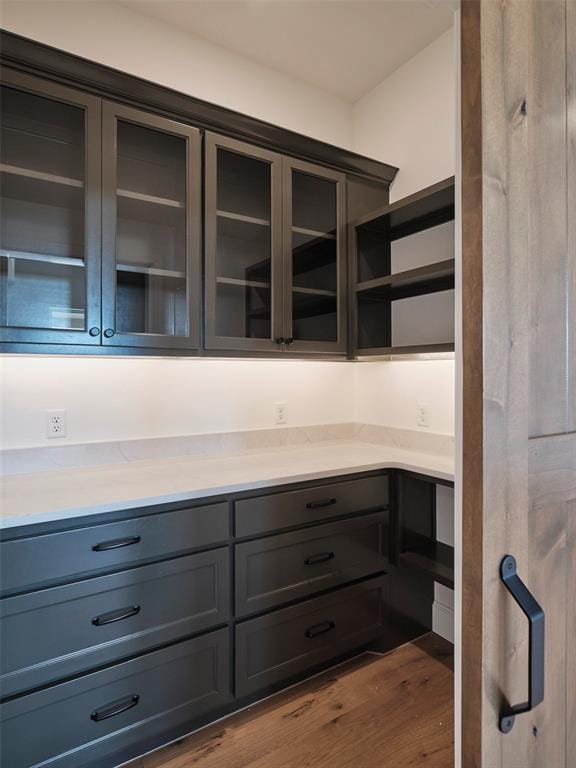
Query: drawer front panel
(311, 505)
(290, 566)
(64, 631)
(272, 648)
(99, 715)
(40, 560)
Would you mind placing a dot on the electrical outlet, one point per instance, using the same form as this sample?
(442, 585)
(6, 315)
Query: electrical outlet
(281, 411)
(422, 414)
(56, 423)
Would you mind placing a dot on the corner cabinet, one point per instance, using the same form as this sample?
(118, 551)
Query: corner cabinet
(274, 252)
(50, 213)
(151, 184)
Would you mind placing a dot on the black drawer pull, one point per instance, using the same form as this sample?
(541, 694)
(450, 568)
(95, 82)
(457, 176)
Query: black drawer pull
(323, 557)
(319, 629)
(104, 546)
(320, 504)
(112, 616)
(116, 708)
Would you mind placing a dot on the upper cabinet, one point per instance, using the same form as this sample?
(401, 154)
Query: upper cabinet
(243, 244)
(50, 213)
(274, 252)
(314, 258)
(151, 177)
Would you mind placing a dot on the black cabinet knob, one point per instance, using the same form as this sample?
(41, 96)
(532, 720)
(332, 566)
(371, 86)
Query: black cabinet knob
(109, 332)
(289, 340)
(280, 340)
(94, 331)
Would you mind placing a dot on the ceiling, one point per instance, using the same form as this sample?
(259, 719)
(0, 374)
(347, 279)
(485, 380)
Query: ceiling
(345, 47)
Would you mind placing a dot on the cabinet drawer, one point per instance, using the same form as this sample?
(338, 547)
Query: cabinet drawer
(40, 560)
(293, 508)
(63, 631)
(272, 648)
(96, 719)
(290, 566)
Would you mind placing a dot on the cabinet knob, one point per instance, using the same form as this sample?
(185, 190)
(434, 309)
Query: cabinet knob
(109, 332)
(289, 340)
(280, 340)
(94, 331)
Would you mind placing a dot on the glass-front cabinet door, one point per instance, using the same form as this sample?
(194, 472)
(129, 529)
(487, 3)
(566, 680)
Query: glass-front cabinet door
(314, 268)
(243, 244)
(151, 181)
(50, 213)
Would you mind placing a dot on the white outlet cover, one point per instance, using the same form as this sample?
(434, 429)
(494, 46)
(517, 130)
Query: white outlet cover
(56, 423)
(423, 414)
(281, 413)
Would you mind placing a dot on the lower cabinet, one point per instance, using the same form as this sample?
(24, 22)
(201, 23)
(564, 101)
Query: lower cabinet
(92, 720)
(275, 647)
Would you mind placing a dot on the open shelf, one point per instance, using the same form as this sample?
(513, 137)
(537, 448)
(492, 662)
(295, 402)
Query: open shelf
(416, 349)
(433, 558)
(430, 278)
(423, 210)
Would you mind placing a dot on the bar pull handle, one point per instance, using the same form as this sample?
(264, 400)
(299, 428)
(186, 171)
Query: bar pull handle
(536, 627)
(115, 708)
(321, 503)
(119, 615)
(322, 557)
(319, 629)
(104, 546)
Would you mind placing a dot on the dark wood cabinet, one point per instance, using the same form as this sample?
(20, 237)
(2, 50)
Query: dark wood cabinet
(50, 216)
(274, 251)
(243, 244)
(314, 258)
(151, 178)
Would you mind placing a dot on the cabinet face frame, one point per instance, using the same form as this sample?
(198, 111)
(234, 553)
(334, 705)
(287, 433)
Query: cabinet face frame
(111, 114)
(341, 344)
(91, 106)
(213, 142)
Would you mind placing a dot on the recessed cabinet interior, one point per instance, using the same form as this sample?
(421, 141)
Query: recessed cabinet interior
(274, 251)
(404, 291)
(50, 215)
(151, 226)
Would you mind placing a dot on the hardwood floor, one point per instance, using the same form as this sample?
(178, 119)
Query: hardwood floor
(392, 711)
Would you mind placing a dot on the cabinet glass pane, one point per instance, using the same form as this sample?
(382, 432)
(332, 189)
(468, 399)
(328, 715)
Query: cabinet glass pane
(314, 258)
(42, 193)
(243, 247)
(151, 295)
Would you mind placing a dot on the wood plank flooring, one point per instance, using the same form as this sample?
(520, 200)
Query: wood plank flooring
(392, 711)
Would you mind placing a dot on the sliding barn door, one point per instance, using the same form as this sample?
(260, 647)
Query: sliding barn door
(519, 388)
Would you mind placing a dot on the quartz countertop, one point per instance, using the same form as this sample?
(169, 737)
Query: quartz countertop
(71, 493)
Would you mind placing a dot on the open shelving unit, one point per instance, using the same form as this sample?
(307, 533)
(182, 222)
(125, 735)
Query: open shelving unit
(404, 287)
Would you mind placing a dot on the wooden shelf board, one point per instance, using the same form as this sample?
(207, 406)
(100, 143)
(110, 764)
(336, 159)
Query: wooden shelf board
(243, 218)
(420, 349)
(242, 283)
(152, 199)
(427, 279)
(313, 291)
(435, 559)
(46, 258)
(314, 233)
(29, 173)
(152, 271)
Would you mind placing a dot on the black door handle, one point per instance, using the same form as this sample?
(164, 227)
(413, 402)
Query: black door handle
(112, 616)
(116, 708)
(104, 546)
(320, 504)
(319, 629)
(322, 557)
(536, 619)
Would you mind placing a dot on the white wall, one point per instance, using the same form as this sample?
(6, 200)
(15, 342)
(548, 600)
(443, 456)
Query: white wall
(114, 35)
(123, 398)
(409, 119)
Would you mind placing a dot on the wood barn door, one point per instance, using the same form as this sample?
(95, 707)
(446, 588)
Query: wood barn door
(519, 376)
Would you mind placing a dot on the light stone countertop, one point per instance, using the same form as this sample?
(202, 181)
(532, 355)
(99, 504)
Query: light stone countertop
(70, 493)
